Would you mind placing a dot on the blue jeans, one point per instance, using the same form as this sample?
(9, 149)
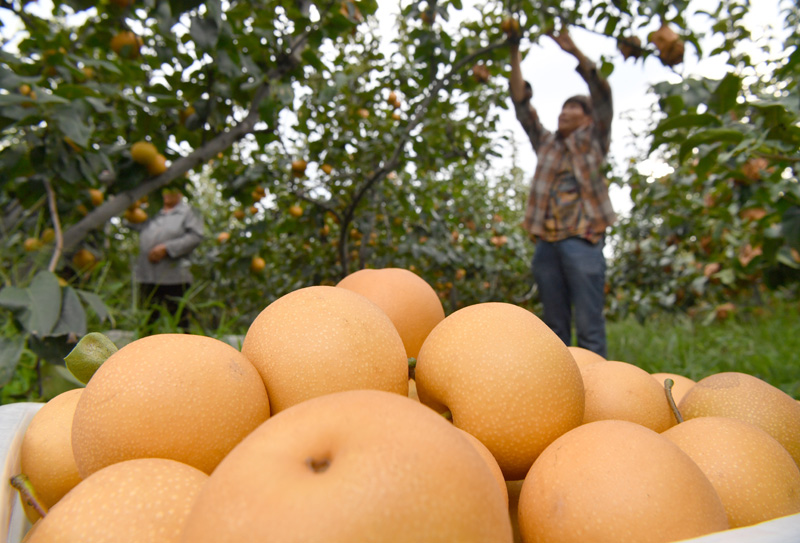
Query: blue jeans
(571, 274)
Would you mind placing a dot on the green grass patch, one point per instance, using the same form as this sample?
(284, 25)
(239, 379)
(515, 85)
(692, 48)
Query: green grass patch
(764, 342)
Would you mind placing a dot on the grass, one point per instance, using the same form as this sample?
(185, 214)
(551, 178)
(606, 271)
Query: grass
(763, 343)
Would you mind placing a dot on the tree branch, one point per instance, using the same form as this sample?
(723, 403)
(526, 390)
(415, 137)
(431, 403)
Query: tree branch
(779, 158)
(394, 160)
(303, 195)
(51, 201)
(433, 91)
(117, 205)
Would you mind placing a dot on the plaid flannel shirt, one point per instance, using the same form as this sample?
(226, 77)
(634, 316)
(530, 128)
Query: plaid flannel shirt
(586, 148)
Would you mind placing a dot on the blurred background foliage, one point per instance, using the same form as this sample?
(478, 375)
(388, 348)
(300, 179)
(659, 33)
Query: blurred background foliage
(307, 146)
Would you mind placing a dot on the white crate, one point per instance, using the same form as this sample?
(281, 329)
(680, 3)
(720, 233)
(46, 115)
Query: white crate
(14, 420)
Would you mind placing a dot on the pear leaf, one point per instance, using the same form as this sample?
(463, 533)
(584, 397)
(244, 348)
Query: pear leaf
(88, 355)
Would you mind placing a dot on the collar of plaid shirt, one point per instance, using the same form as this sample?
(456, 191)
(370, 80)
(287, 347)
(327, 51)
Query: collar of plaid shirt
(587, 156)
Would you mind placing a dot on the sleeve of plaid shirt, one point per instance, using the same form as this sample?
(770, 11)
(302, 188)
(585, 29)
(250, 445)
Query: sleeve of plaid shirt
(600, 91)
(529, 119)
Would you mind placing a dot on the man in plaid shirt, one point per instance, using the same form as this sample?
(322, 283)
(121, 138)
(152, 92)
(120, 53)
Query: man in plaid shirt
(568, 207)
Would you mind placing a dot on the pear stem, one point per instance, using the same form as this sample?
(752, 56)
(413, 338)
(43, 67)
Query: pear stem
(447, 415)
(28, 494)
(668, 383)
(412, 366)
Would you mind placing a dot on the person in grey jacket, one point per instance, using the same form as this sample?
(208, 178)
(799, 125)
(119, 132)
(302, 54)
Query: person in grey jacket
(165, 242)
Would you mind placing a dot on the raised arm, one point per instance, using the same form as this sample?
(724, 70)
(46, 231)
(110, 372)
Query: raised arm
(521, 94)
(599, 89)
(564, 40)
(516, 82)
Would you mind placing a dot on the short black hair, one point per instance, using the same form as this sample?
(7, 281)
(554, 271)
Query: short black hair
(582, 100)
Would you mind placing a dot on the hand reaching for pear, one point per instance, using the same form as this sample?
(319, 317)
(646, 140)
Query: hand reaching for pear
(564, 40)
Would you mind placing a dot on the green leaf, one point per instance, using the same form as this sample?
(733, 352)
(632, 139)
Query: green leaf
(50, 348)
(724, 97)
(205, 33)
(267, 109)
(726, 276)
(181, 6)
(611, 26)
(790, 227)
(714, 135)
(791, 64)
(163, 14)
(103, 65)
(88, 355)
(14, 298)
(312, 59)
(71, 123)
(73, 315)
(45, 307)
(226, 65)
(56, 379)
(98, 105)
(47, 98)
(284, 94)
(774, 111)
(606, 68)
(10, 353)
(80, 5)
(785, 257)
(687, 121)
(96, 303)
(13, 99)
(13, 163)
(337, 24)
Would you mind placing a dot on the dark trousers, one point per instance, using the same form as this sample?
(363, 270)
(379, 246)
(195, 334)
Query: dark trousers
(570, 275)
(157, 297)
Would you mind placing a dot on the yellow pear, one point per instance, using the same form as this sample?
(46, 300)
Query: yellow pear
(754, 475)
(748, 398)
(621, 391)
(611, 481)
(505, 377)
(146, 500)
(184, 397)
(321, 339)
(46, 451)
(357, 465)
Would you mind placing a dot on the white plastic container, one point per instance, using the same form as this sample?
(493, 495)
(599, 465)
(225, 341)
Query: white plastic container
(14, 420)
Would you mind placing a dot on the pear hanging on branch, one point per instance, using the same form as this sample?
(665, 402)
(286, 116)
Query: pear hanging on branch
(630, 47)
(670, 46)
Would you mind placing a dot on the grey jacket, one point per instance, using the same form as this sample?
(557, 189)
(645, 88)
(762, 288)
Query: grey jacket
(180, 230)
